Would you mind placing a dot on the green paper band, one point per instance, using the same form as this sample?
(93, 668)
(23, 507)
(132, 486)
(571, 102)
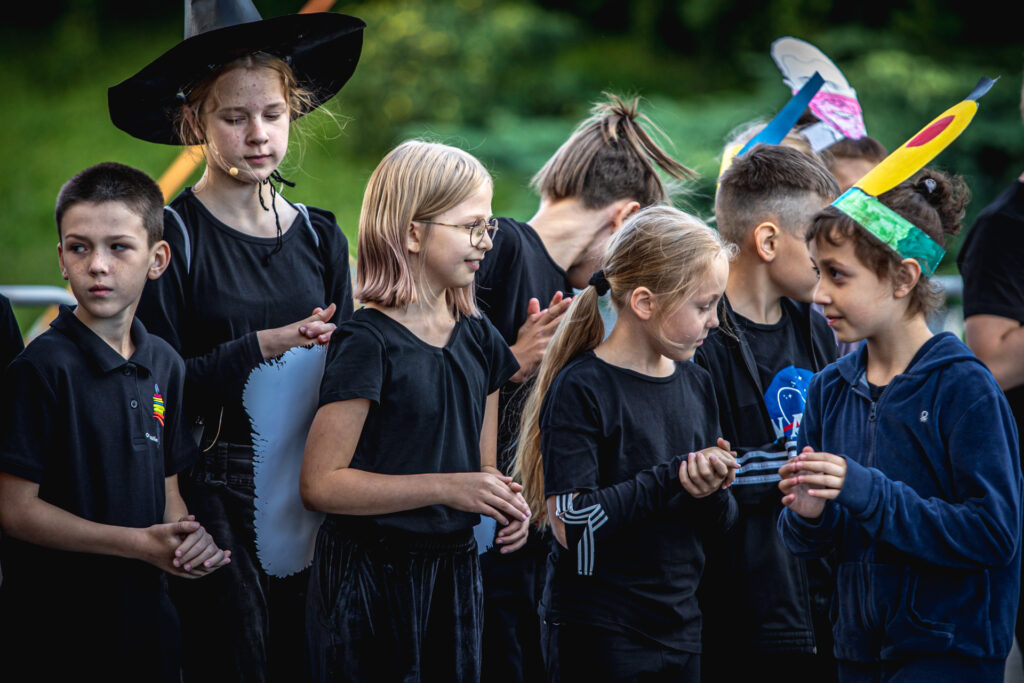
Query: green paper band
(895, 231)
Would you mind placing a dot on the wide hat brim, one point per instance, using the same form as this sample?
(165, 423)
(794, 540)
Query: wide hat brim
(321, 48)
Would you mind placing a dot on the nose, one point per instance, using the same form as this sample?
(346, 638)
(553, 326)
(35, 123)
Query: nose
(257, 133)
(713, 322)
(486, 242)
(821, 295)
(99, 262)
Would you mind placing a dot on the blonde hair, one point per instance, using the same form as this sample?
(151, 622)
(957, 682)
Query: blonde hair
(416, 181)
(661, 248)
(610, 157)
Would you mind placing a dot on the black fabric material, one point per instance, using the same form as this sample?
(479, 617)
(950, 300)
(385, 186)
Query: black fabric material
(516, 269)
(755, 592)
(80, 420)
(581, 652)
(211, 310)
(241, 623)
(990, 264)
(617, 438)
(11, 343)
(386, 605)
(322, 49)
(426, 402)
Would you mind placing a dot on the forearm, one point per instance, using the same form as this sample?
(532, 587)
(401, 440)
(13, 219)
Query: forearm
(999, 343)
(174, 507)
(349, 491)
(36, 521)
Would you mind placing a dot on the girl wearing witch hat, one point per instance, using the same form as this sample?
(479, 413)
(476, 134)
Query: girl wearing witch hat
(252, 276)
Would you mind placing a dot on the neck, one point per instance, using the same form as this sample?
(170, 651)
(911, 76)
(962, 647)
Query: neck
(566, 228)
(629, 346)
(429, 317)
(237, 203)
(751, 292)
(116, 331)
(891, 350)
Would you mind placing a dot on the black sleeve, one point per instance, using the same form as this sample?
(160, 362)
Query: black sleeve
(11, 343)
(338, 286)
(27, 423)
(990, 263)
(355, 365)
(503, 363)
(164, 310)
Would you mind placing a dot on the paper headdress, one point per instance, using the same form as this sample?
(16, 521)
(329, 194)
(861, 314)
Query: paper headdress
(835, 104)
(861, 204)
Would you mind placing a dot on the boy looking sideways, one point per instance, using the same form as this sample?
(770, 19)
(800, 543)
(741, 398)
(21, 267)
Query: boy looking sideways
(91, 442)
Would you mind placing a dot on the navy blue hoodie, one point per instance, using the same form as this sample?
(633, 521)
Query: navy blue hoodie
(928, 522)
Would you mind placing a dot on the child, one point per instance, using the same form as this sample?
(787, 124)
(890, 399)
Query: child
(757, 596)
(614, 447)
(11, 343)
(252, 276)
(603, 173)
(850, 160)
(908, 466)
(93, 438)
(402, 452)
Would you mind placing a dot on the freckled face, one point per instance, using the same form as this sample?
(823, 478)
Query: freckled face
(247, 124)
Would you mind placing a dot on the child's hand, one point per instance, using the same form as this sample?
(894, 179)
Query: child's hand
(513, 537)
(198, 554)
(533, 337)
(810, 479)
(316, 329)
(156, 544)
(486, 493)
(707, 470)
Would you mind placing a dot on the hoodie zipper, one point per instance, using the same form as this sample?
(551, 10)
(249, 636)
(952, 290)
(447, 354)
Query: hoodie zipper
(869, 461)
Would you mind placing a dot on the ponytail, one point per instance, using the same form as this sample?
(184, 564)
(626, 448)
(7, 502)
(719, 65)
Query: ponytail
(581, 330)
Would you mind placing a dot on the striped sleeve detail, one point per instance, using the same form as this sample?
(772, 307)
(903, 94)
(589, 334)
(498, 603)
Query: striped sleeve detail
(591, 518)
(759, 467)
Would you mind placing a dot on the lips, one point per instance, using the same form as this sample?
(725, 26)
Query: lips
(100, 290)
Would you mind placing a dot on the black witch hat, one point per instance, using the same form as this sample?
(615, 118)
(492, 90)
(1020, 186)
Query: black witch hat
(322, 49)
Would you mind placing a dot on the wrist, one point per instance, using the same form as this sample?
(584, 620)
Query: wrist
(269, 343)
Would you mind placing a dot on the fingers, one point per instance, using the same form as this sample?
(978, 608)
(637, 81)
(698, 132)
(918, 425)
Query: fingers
(513, 537)
(724, 445)
(820, 481)
(190, 548)
(533, 307)
(495, 515)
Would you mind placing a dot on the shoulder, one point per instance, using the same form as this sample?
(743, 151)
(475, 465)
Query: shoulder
(326, 226)
(363, 328)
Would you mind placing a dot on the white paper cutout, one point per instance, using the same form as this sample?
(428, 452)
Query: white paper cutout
(281, 398)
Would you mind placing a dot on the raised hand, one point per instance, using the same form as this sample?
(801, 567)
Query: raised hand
(316, 329)
(535, 334)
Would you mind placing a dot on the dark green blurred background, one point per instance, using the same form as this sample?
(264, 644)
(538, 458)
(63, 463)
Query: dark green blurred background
(508, 81)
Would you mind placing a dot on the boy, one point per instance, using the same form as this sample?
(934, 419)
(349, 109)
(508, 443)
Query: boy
(91, 443)
(602, 174)
(756, 597)
(850, 160)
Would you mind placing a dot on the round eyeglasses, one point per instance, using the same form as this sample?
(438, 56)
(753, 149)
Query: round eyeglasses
(477, 230)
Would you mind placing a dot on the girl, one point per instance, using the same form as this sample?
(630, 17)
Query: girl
(606, 171)
(908, 467)
(252, 276)
(614, 448)
(402, 451)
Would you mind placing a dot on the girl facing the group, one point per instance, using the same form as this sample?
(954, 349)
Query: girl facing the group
(402, 452)
(620, 453)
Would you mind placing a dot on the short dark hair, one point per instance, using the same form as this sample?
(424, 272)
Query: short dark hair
(934, 203)
(770, 182)
(114, 182)
(866, 148)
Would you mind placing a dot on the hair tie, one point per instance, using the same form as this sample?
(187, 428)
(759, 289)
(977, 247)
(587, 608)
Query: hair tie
(929, 184)
(599, 282)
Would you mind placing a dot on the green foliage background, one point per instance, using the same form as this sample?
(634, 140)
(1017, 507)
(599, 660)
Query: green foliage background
(508, 81)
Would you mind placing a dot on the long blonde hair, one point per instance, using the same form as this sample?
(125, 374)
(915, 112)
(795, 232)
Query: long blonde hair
(661, 248)
(416, 181)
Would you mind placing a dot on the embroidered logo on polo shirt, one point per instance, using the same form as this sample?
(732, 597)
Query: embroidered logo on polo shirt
(158, 405)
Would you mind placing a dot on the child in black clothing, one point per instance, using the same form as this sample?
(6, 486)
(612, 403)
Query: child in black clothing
(253, 276)
(756, 595)
(93, 438)
(401, 454)
(11, 343)
(614, 454)
(602, 174)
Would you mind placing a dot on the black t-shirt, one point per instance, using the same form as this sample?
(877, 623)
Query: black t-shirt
(426, 402)
(11, 342)
(217, 294)
(99, 434)
(990, 262)
(516, 269)
(783, 361)
(602, 425)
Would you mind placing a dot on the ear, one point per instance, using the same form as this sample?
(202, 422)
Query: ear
(159, 259)
(642, 303)
(621, 210)
(766, 241)
(907, 278)
(60, 260)
(415, 237)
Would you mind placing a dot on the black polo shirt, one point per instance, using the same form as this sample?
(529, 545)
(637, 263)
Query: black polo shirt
(10, 336)
(99, 434)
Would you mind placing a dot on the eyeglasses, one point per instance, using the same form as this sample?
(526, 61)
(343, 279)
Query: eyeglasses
(477, 230)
